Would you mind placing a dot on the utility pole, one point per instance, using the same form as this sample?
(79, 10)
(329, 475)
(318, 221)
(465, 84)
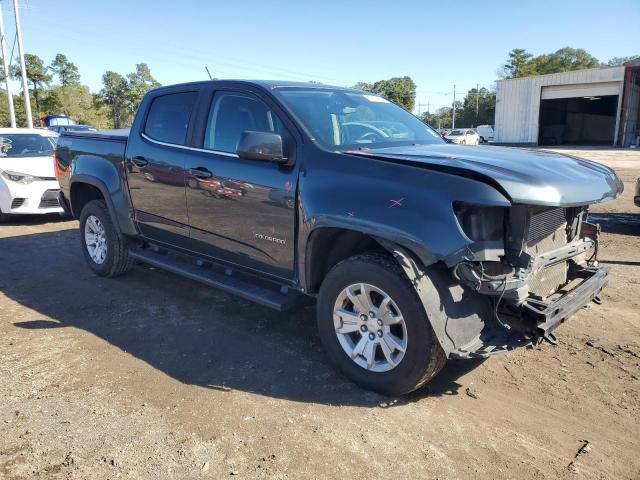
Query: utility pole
(23, 68)
(5, 65)
(477, 101)
(420, 105)
(453, 116)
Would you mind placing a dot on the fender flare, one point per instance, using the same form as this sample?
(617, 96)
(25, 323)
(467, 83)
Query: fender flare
(100, 185)
(458, 317)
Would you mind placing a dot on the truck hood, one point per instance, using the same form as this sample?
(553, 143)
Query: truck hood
(36, 166)
(525, 176)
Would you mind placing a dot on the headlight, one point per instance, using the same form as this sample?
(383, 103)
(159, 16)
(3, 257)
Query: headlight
(480, 223)
(22, 178)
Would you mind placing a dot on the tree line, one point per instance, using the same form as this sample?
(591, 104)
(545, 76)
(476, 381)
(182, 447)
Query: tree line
(56, 89)
(521, 63)
(478, 106)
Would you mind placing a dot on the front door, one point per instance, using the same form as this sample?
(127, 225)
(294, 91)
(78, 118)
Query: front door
(242, 211)
(156, 168)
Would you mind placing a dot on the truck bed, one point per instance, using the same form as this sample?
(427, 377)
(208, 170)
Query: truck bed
(120, 134)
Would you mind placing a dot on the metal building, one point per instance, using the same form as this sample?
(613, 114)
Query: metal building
(598, 106)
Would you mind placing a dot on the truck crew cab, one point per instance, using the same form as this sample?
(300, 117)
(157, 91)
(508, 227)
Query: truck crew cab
(416, 250)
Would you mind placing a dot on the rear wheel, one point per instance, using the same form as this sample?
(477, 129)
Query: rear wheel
(104, 250)
(374, 327)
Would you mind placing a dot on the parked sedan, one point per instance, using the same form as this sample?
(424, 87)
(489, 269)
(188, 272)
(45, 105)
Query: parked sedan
(28, 183)
(463, 136)
(636, 197)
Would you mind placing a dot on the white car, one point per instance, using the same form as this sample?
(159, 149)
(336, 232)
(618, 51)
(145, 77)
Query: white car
(28, 182)
(463, 136)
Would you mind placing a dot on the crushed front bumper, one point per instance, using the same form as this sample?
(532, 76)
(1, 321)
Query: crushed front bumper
(540, 318)
(549, 316)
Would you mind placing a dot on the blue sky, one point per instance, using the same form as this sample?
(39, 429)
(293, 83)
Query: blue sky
(438, 44)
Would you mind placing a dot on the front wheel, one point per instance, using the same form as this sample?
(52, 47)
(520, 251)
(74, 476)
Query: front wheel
(104, 250)
(374, 327)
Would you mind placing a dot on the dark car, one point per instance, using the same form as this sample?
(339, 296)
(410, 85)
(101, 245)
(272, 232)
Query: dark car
(636, 197)
(416, 251)
(73, 128)
(63, 123)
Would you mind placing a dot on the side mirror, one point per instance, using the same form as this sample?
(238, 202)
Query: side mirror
(261, 146)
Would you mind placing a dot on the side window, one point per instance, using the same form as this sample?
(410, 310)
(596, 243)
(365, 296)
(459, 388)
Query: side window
(233, 113)
(168, 117)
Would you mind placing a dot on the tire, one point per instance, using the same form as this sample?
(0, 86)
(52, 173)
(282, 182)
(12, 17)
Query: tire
(422, 358)
(116, 261)
(193, 183)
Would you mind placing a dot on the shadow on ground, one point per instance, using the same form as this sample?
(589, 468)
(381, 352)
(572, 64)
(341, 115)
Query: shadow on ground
(15, 220)
(620, 223)
(192, 333)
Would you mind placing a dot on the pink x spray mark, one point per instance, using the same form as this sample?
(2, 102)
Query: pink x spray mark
(288, 185)
(396, 203)
(350, 214)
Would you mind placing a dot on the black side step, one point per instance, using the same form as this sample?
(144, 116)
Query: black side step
(246, 289)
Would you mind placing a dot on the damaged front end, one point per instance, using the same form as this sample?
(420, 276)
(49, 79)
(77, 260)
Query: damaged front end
(538, 265)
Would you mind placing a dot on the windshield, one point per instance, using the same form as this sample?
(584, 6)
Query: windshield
(456, 133)
(349, 119)
(26, 145)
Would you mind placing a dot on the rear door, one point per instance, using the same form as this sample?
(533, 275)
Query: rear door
(155, 162)
(242, 211)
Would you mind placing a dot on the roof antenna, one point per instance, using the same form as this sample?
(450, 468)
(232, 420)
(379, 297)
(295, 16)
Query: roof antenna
(208, 72)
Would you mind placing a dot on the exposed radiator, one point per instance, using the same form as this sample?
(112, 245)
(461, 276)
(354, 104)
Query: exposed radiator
(547, 231)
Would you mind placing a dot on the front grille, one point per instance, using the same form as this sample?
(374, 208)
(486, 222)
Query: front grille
(547, 231)
(544, 223)
(49, 199)
(17, 203)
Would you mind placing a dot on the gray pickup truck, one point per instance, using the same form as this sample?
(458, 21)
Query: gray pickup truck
(417, 251)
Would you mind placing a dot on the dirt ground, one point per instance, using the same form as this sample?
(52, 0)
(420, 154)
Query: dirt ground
(151, 376)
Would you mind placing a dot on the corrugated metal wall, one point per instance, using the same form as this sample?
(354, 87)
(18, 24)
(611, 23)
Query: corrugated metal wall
(518, 100)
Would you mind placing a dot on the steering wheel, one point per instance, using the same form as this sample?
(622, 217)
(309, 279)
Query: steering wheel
(374, 134)
(370, 137)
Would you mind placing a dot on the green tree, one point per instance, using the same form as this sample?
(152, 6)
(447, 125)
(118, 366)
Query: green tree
(66, 70)
(565, 60)
(139, 83)
(440, 119)
(518, 58)
(522, 64)
(115, 96)
(77, 102)
(478, 107)
(367, 87)
(5, 121)
(620, 61)
(37, 75)
(399, 90)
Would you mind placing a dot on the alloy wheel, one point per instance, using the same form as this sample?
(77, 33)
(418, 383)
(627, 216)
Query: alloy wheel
(95, 239)
(370, 327)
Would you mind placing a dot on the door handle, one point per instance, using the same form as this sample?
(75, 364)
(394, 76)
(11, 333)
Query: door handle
(200, 172)
(139, 161)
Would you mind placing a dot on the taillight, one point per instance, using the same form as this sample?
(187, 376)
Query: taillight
(59, 170)
(55, 162)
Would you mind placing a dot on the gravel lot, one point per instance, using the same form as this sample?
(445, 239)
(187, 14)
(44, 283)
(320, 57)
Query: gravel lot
(152, 376)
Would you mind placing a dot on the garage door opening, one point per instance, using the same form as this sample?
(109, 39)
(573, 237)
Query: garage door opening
(587, 120)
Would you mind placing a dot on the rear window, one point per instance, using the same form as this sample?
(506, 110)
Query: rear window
(168, 118)
(26, 145)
